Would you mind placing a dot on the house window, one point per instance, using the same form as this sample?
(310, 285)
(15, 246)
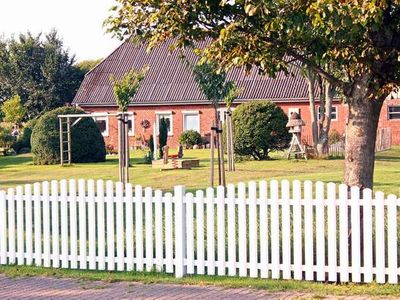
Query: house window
(334, 115)
(131, 125)
(168, 117)
(394, 112)
(102, 123)
(221, 112)
(191, 120)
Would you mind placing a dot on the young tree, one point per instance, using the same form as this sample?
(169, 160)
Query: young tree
(13, 111)
(163, 135)
(358, 40)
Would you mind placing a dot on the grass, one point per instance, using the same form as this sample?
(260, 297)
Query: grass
(20, 170)
(314, 289)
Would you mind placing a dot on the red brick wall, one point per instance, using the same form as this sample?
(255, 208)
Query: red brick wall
(207, 115)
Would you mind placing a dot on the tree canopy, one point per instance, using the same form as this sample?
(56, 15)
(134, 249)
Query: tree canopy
(40, 70)
(13, 111)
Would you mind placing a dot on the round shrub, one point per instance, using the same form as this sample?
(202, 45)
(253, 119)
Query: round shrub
(189, 138)
(87, 141)
(259, 127)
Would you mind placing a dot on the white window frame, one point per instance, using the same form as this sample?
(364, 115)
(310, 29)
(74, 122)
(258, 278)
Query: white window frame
(101, 116)
(131, 116)
(336, 113)
(392, 113)
(190, 113)
(293, 110)
(169, 113)
(222, 111)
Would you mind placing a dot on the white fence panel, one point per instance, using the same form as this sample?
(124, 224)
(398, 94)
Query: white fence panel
(298, 231)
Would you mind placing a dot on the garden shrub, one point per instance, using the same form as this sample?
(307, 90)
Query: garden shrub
(259, 127)
(6, 139)
(163, 135)
(23, 143)
(189, 138)
(87, 141)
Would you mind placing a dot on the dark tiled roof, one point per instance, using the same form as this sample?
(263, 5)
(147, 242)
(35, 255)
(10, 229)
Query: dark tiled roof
(170, 81)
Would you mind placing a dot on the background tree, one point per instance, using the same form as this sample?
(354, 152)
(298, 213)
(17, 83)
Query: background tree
(86, 65)
(39, 70)
(13, 111)
(358, 40)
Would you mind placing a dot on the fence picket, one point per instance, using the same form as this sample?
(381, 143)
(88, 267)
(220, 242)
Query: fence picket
(159, 230)
(210, 232)
(11, 225)
(46, 222)
(73, 222)
(392, 239)
(82, 224)
(320, 230)
(263, 194)
(231, 230)
(380, 238)
(308, 230)
(169, 267)
(189, 234)
(55, 225)
(129, 227)
(275, 247)
(92, 224)
(3, 228)
(20, 225)
(110, 226)
(148, 199)
(101, 242)
(64, 224)
(200, 231)
(242, 238)
(344, 233)
(285, 191)
(332, 234)
(297, 231)
(119, 218)
(253, 236)
(367, 216)
(221, 229)
(139, 227)
(355, 235)
(180, 231)
(28, 224)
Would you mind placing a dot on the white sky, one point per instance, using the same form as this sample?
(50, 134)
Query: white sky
(78, 22)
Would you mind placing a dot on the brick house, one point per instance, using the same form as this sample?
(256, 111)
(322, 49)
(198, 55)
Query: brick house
(170, 91)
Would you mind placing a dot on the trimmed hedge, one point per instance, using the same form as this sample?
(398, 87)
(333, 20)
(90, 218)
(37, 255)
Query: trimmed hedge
(87, 141)
(189, 138)
(260, 127)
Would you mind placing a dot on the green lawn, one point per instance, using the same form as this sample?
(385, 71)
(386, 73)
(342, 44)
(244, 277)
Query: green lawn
(20, 170)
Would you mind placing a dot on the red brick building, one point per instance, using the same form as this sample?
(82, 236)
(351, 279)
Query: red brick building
(170, 91)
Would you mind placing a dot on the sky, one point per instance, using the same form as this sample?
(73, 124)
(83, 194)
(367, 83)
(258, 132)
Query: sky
(78, 22)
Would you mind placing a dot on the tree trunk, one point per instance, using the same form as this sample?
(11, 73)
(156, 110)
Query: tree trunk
(360, 139)
(325, 120)
(311, 96)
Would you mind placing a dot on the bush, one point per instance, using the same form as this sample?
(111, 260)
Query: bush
(259, 127)
(87, 141)
(24, 139)
(6, 139)
(189, 138)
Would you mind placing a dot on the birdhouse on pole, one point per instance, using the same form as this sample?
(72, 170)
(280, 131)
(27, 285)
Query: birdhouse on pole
(295, 125)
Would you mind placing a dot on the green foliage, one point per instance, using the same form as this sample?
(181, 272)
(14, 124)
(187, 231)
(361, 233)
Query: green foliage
(260, 127)
(126, 87)
(6, 139)
(13, 111)
(38, 69)
(163, 135)
(24, 140)
(87, 65)
(151, 145)
(189, 138)
(87, 141)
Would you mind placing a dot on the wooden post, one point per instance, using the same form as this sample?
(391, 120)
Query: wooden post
(212, 154)
(120, 148)
(69, 140)
(155, 141)
(61, 142)
(126, 144)
(231, 142)
(221, 150)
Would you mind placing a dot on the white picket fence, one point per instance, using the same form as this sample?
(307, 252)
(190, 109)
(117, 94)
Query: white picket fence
(269, 230)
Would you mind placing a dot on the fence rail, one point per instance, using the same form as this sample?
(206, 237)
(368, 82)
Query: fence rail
(268, 229)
